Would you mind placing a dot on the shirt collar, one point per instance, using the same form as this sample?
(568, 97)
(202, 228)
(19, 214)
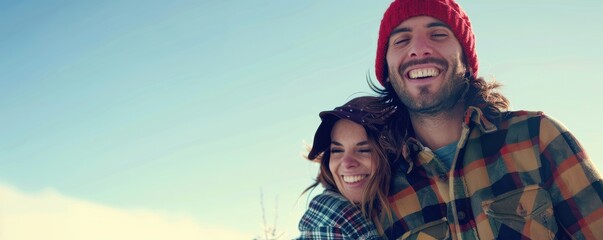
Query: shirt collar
(474, 116)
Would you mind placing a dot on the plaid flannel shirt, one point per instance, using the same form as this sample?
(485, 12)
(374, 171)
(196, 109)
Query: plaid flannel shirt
(331, 216)
(525, 177)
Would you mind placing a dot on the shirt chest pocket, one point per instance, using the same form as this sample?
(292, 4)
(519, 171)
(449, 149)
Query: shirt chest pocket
(434, 230)
(527, 211)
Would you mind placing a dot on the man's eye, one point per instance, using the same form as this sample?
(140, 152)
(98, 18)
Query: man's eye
(440, 35)
(401, 41)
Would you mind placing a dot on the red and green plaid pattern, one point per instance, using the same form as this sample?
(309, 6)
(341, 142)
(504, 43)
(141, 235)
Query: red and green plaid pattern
(525, 177)
(331, 216)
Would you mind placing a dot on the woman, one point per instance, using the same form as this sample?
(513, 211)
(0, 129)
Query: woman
(353, 170)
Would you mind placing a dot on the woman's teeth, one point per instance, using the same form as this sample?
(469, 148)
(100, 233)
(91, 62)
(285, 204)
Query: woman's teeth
(353, 179)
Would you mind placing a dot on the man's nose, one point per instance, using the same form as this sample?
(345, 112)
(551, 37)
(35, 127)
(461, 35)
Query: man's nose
(420, 47)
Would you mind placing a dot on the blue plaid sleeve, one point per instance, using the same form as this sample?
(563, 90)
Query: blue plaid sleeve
(331, 216)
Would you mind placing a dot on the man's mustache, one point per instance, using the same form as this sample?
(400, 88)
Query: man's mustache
(438, 61)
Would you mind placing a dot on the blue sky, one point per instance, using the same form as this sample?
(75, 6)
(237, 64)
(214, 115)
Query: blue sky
(191, 108)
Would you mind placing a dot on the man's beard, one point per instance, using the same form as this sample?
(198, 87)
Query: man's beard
(429, 102)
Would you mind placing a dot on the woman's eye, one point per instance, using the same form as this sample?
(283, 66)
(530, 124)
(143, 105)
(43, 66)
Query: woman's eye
(365, 150)
(336, 150)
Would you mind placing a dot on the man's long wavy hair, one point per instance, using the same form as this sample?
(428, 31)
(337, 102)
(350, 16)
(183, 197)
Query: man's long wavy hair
(374, 197)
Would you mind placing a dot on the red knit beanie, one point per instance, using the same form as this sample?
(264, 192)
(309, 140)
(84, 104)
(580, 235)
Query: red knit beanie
(447, 11)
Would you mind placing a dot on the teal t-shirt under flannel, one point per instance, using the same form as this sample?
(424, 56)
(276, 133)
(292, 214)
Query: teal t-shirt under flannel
(446, 153)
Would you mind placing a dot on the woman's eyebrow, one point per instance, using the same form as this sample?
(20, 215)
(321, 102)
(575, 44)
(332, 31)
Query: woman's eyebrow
(357, 144)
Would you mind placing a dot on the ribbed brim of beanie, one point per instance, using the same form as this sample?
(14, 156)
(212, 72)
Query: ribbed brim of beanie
(447, 11)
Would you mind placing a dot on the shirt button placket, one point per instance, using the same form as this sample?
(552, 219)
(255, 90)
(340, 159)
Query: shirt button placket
(444, 177)
(461, 215)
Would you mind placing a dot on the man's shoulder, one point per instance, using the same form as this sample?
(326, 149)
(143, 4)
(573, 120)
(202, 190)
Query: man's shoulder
(534, 122)
(524, 114)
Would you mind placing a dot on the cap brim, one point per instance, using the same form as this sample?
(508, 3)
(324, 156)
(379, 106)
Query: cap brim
(322, 137)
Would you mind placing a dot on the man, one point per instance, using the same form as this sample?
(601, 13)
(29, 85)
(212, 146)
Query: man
(472, 169)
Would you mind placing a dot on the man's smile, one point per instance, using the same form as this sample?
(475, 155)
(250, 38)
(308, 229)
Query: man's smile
(423, 73)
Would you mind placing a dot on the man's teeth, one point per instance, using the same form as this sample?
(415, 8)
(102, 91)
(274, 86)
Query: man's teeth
(423, 72)
(353, 179)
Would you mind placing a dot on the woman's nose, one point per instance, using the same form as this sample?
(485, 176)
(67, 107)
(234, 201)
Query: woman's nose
(349, 161)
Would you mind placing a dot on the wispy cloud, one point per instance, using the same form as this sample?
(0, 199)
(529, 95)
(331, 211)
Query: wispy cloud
(50, 215)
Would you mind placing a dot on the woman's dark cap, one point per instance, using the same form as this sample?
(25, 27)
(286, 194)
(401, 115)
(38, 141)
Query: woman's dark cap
(367, 111)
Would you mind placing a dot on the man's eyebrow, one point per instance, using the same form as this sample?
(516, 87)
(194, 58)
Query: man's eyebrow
(399, 30)
(438, 24)
(430, 25)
